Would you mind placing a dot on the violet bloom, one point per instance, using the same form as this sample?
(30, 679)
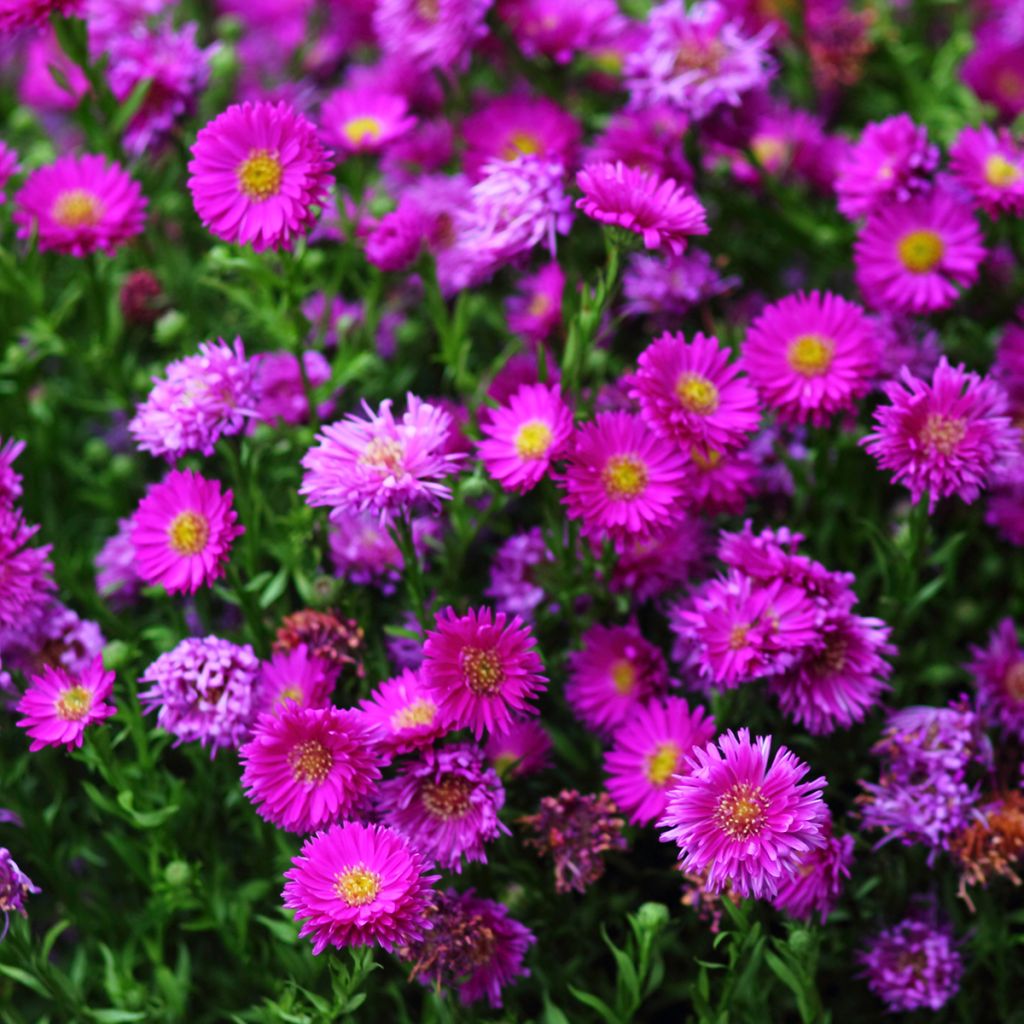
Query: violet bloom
(8, 167)
(439, 34)
(522, 749)
(10, 479)
(55, 636)
(514, 588)
(281, 385)
(559, 29)
(15, 888)
(535, 311)
(998, 670)
(364, 552)
(26, 581)
(816, 884)
(661, 561)
(668, 287)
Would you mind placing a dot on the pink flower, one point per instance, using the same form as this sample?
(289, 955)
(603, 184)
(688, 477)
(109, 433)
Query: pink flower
(945, 437)
(359, 885)
(990, 165)
(257, 171)
(746, 821)
(815, 885)
(622, 479)
(436, 34)
(914, 257)
(993, 70)
(78, 205)
(559, 29)
(535, 311)
(58, 705)
(19, 14)
(364, 120)
(649, 750)
(522, 749)
(482, 670)
(183, 531)
(692, 395)
(294, 677)
(663, 213)
(998, 670)
(402, 715)
(811, 356)
(523, 436)
(8, 167)
(307, 767)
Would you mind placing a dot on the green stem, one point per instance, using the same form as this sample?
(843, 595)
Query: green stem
(412, 572)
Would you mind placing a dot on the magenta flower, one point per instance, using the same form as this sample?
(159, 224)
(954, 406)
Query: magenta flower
(998, 670)
(535, 311)
(359, 885)
(651, 565)
(117, 572)
(720, 482)
(559, 29)
(26, 580)
(811, 356)
(993, 69)
(256, 173)
(18, 14)
(524, 435)
(447, 804)
(945, 437)
(183, 531)
(615, 672)
(482, 669)
(914, 257)
(395, 241)
(516, 571)
(364, 120)
(78, 205)
(990, 165)
(402, 715)
(281, 387)
(816, 884)
(692, 395)
(663, 213)
(649, 749)
(746, 821)
(8, 167)
(294, 677)
(439, 34)
(524, 748)
(10, 480)
(622, 479)
(389, 466)
(305, 768)
(58, 705)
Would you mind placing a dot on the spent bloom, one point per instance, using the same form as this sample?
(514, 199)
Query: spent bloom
(359, 885)
(992, 844)
(58, 705)
(364, 120)
(402, 715)
(989, 163)
(293, 677)
(183, 531)
(998, 670)
(745, 817)
(335, 642)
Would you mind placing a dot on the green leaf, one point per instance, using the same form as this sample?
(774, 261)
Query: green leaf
(599, 1006)
(131, 106)
(26, 979)
(113, 1016)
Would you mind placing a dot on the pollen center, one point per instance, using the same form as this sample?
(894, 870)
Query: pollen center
(696, 393)
(310, 761)
(662, 764)
(741, 812)
(77, 208)
(428, 10)
(357, 886)
(921, 251)
(1000, 172)
(74, 703)
(738, 636)
(259, 175)
(384, 453)
(188, 533)
(810, 354)
(483, 671)
(623, 674)
(521, 144)
(700, 58)
(289, 693)
(447, 799)
(1014, 681)
(533, 439)
(359, 129)
(419, 712)
(942, 434)
(705, 460)
(624, 477)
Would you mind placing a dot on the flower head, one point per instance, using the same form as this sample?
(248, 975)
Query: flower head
(514, 588)
(990, 165)
(26, 581)
(535, 310)
(8, 167)
(431, 33)
(402, 715)
(294, 677)
(364, 120)
(991, 845)
(670, 286)
(59, 705)
(18, 14)
(117, 572)
(15, 888)
(333, 641)
(815, 885)
(651, 565)
(998, 670)
(524, 748)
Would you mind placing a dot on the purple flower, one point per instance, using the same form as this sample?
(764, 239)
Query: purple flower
(513, 587)
(815, 885)
(998, 670)
(15, 886)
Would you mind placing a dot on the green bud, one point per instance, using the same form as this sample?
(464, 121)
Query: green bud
(652, 916)
(170, 327)
(177, 873)
(800, 941)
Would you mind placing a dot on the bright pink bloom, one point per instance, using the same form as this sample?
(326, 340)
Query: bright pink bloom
(816, 884)
(535, 311)
(436, 34)
(282, 388)
(524, 748)
(58, 705)
(559, 29)
(747, 821)
(359, 885)
(990, 165)
(10, 481)
(364, 120)
(998, 670)
(995, 70)
(653, 564)
(720, 482)
(26, 572)
(19, 14)
(8, 167)
(402, 714)
(294, 677)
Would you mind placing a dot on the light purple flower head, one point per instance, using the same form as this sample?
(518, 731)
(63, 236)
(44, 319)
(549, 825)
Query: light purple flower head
(998, 670)
(117, 574)
(816, 884)
(25, 571)
(15, 887)
(435, 34)
(667, 288)
(513, 588)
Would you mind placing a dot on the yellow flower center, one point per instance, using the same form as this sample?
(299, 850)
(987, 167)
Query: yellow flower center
(624, 477)
(483, 671)
(920, 251)
(705, 460)
(357, 886)
(696, 393)
(770, 150)
(361, 128)
(742, 811)
(419, 712)
(447, 799)
(188, 533)
(738, 636)
(77, 208)
(623, 673)
(521, 144)
(259, 175)
(310, 761)
(74, 703)
(384, 453)
(942, 433)
(539, 304)
(289, 693)
(533, 439)
(1014, 681)
(662, 764)
(810, 354)
(999, 172)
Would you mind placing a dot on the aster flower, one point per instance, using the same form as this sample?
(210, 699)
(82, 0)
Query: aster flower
(662, 212)
(621, 478)
(204, 689)
(78, 205)
(990, 165)
(692, 395)
(58, 705)
(998, 670)
(10, 481)
(25, 572)
(397, 238)
(914, 257)
(576, 830)
(183, 531)
(364, 120)
(651, 565)
(993, 69)
(648, 750)
(815, 885)
(905, 341)
(19, 14)
(671, 286)
(381, 464)
(359, 885)
(51, 635)
(514, 587)
(8, 167)
(305, 768)
(697, 59)
(447, 804)
(203, 398)
(15, 888)
(293, 677)
(913, 965)
(402, 715)
(650, 139)
(482, 669)
(364, 552)
(892, 160)
(717, 482)
(524, 748)
(612, 675)
(473, 946)
(524, 435)
(947, 436)
(559, 29)
(439, 34)
(334, 641)
(281, 383)
(535, 311)
(992, 844)
(811, 356)
(744, 818)
(257, 171)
